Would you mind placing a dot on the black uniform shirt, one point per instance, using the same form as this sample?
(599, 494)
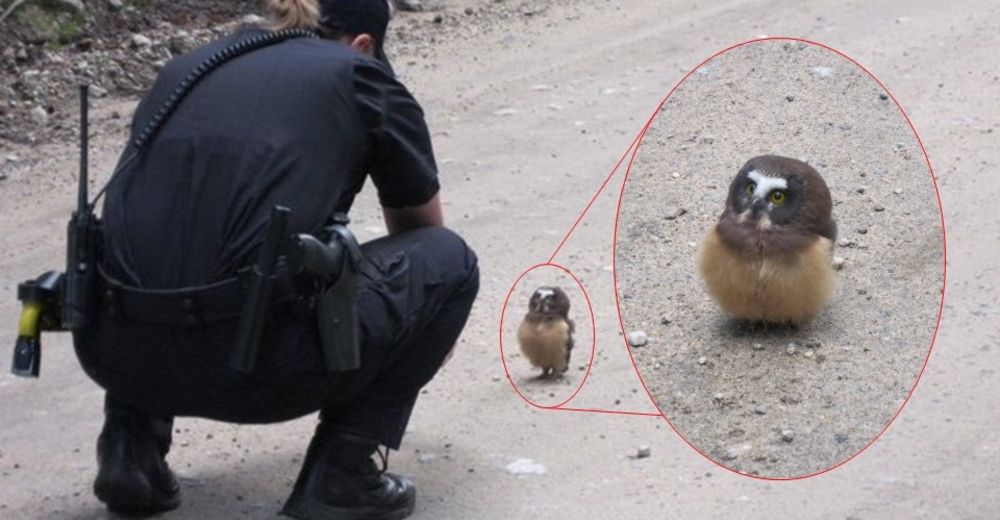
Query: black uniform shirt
(300, 124)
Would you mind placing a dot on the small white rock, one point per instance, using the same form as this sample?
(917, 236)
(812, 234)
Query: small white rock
(637, 338)
(525, 467)
(838, 262)
(39, 116)
(643, 452)
(427, 458)
(702, 360)
(140, 42)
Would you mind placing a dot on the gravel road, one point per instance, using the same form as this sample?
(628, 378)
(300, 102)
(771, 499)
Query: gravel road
(529, 114)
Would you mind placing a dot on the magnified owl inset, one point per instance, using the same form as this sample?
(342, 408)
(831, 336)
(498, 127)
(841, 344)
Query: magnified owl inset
(769, 258)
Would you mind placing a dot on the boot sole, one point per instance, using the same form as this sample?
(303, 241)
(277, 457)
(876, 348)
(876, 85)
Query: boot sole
(310, 509)
(123, 494)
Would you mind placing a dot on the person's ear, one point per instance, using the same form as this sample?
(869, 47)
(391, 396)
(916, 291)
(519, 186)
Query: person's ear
(364, 43)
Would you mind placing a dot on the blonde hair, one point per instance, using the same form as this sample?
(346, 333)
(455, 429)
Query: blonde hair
(294, 14)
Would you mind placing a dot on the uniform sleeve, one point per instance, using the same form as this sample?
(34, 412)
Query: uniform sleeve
(401, 163)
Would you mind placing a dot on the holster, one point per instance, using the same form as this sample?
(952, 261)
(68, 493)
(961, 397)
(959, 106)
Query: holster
(336, 264)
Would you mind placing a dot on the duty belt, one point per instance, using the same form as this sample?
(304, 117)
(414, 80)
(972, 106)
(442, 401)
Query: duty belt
(190, 305)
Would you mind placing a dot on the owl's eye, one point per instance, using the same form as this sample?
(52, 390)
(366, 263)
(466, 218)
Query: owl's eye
(777, 197)
(750, 187)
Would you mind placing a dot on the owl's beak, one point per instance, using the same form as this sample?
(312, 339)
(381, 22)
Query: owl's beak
(757, 204)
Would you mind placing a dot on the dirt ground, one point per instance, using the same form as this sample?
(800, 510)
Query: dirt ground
(782, 401)
(541, 108)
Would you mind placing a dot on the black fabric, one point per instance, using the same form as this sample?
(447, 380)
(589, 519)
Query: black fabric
(299, 124)
(417, 290)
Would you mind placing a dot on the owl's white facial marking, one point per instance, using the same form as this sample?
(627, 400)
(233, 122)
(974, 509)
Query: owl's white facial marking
(544, 293)
(766, 184)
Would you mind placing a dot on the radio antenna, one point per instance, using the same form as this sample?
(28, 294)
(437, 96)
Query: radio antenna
(81, 196)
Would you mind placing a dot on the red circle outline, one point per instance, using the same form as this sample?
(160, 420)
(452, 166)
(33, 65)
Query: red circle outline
(944, 238)
(593, 336)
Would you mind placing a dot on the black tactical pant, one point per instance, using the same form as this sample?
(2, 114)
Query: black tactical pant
(416, 292)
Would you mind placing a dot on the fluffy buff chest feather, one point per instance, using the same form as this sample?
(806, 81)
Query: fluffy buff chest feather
(777, 289)
(546, 342)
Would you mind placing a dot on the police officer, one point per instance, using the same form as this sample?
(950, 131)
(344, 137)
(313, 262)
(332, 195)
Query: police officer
(301, 123)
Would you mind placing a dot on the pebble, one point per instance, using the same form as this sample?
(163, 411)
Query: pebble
(840, 438)
(845, 242)
(665, 320)
(760, 409)
(39, 116)
(787, 435)
(13, 158)
(525, 467)
(790, 98)
(643, 452)
(116, 5)
(496, 379)
(822, 72)
(861, 189)
(731, 454)
(883, 96)
(673, 212)
(98, 91)
(863, 230)
(791, 349)
(719, 396)
(702, 360)
(505, 112)
(637, 338)
(757, 346)
(897, 191)
(139, 41)
(808, 354)
(814, 344)
(879, 208)
(438, 19)
(427, 458)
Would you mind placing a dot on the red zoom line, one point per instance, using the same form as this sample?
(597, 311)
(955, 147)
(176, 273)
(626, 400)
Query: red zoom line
(612, 412)
(599, 190)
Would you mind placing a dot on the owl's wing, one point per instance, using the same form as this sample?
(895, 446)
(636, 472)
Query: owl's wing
(829, 230)
(569, 337)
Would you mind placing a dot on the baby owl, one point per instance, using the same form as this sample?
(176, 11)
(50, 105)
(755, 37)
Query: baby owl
(769, 257)
(546, 333)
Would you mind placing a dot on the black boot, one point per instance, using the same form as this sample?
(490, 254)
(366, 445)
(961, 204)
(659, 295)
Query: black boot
(339, 481)
(132, 475)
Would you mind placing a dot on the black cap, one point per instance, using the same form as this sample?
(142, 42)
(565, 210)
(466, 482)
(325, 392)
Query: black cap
(359, 17)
